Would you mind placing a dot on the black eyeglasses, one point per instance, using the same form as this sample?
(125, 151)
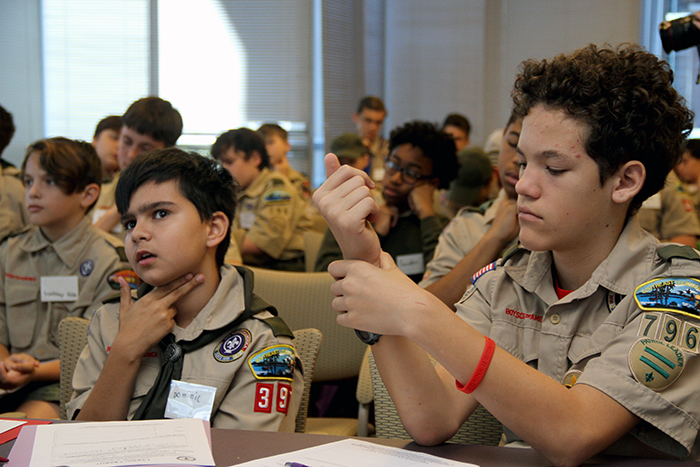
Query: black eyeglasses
(409, 175)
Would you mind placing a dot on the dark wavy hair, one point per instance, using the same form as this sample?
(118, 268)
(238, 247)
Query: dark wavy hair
(72, 164)
(154, 117)
(625, 97)
(202, 180)
(435, 144)
(241, 139)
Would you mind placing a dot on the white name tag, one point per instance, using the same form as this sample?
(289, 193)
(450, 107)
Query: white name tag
(247, 219)
(411, 264)
(59, 288)
(189, 400)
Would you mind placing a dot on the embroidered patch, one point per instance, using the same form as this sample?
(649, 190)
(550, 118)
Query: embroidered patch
(276, 362)
(668, 328)
(655, 364)
(233, 346)
(264, 395)
(614, 299)
(674, 294)
(571, 377)
(277, 196)
(482, 271)
(87, 267)
(130, 276)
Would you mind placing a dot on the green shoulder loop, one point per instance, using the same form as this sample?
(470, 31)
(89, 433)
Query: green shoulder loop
(15, 233)
(486, 205)
(474, 209)
(678, 251)
(511, 251)
(255, 304)
(122, 254)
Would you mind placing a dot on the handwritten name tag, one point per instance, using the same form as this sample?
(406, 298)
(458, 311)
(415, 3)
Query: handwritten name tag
(247, 219)
(411, 264)
(189, 400)
(59, 288)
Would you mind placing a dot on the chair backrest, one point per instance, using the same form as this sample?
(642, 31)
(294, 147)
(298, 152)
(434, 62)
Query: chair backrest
(307, 343)
(481, 427)
(312, 245)
(72, 337)
(303, 300)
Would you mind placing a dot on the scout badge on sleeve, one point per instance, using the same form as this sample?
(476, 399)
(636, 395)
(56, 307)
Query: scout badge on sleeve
(655, 364)
(233, 346)
(275, 362)
(673, 294)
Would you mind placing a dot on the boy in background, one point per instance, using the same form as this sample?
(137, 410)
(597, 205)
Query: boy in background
(11, 189)
(422, 159)
(59, 266)
(149, 123)
(459, 128)
(106, 144)
(277, 147)
(196, 323)
(586, 333)
(369, 119)
(349, 150)
(272, 216)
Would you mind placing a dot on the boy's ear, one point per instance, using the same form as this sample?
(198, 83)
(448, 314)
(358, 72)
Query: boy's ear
(218, 226)
(89, 195)
(630, 179)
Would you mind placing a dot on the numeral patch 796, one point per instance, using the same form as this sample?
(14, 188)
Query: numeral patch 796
(668, 328)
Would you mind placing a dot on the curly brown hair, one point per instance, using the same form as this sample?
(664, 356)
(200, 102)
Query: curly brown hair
(625, 96)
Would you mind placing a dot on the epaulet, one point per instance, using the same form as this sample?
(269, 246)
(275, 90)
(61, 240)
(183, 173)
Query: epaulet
(678, 251)
(15, 233)
(279, 327)
(510, 252)
(486, 205)
(277, 181)
(473, 209)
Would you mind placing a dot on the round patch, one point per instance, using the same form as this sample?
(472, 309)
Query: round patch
(233, 347)
(655, 364)
(571, 377)
(87, 267)
(614, 299)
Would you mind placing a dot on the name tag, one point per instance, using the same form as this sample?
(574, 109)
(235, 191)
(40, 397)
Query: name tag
(189, 400)
(247, 219)
(59, 288)
(411, 264)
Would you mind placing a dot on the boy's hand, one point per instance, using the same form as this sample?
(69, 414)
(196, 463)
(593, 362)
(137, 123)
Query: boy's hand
(346, 202)
(144, 323)
(365, 305)
(420, 200)
(17, 370)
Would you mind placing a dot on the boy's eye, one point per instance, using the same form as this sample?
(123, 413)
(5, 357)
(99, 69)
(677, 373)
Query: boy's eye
(554, 171)
(27, 181)
(160, 214)
(129, 225)
(50, 181)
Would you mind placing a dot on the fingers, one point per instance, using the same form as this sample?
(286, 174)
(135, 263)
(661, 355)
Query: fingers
(332, 164)
(173, 291)
(124, 293)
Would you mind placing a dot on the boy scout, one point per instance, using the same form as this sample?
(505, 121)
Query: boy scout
(271, 217)
(58, 266)
(594, 321)
(277, 146)
(196, 327)
(12, 216)
(149, 123)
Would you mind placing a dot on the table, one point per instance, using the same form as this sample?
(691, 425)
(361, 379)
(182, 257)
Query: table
(232, 447)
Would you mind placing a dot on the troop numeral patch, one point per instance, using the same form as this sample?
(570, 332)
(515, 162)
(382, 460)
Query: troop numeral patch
(265, 399)
(668, 328)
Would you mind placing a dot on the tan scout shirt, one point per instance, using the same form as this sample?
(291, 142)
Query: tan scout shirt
(273, 216)
(12, 216)
(243, 400)
(598, 330)
(30, 325)
(668, 214)
(459, 237)
(301, 182)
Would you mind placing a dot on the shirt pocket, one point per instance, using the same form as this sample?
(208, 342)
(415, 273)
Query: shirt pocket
(22, 302)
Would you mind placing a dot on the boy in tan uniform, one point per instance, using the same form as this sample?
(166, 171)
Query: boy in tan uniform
(12, 216)
(271, 217)
(196, 327)
(59, 266)
(594, 324)
(277, 147)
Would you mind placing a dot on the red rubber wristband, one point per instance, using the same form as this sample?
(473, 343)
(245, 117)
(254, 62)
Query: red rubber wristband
(481, 367)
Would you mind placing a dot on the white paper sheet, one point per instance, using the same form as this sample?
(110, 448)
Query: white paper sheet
(354, 452)
(109, 444)
(7, 425)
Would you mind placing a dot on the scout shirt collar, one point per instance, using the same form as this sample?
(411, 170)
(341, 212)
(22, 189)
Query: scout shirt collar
(223, 307)
(258, 186)
(625, 267)
(68, 248)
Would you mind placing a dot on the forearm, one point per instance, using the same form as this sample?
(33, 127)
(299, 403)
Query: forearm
(451, 287)
(47, 371)
(109, 399)
(689, 240)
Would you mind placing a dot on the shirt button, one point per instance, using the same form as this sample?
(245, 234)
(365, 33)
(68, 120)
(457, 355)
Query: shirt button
(554, 319)
(40, 352)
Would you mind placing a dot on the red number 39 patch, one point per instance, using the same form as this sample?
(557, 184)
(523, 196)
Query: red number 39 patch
(265, 397)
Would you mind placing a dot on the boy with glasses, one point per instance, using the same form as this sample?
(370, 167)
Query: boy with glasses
(421, 159)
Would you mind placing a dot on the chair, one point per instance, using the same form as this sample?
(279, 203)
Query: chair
(303, 299)
(481, 427)
(312, 245)
(307, 342)
(72, 338)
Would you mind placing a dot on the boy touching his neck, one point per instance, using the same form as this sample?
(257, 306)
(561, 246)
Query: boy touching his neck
(592, 323)
(196, 320)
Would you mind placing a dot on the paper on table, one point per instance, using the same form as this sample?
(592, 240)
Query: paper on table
(353, 452)
(108, 444)
(7, 425)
